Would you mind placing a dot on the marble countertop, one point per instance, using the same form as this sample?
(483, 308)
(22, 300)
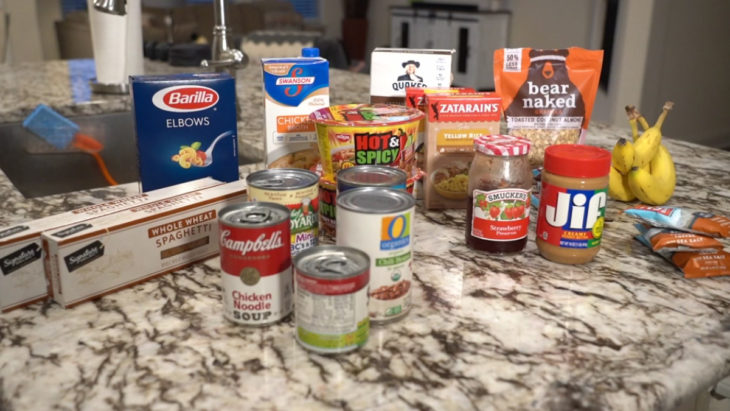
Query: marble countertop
(625, 331)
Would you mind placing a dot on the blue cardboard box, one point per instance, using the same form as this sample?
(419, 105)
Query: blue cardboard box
(186, 128)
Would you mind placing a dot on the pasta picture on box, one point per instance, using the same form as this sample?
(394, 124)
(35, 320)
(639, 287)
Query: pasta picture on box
(642, 169)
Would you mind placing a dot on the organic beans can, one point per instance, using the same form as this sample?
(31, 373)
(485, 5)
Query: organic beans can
(332, 298)
(379, 221)
(296, 189)
(255, 263)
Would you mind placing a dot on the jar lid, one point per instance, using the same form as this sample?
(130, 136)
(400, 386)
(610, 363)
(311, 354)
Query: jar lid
(577, 160)
(502, 145)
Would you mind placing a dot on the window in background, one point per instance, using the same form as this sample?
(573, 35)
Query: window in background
(69, 6)
(307, 8)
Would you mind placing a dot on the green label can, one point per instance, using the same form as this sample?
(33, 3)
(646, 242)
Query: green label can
(332, 299)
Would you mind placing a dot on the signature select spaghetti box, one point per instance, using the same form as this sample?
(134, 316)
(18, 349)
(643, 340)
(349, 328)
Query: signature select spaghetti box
(186, 128)
(106, 254)
(22, 276)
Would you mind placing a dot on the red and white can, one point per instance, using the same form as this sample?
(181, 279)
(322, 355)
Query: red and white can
(255, 254)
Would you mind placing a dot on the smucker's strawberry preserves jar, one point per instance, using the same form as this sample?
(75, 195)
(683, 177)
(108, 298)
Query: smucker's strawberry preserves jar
(498, 207)
(572, 202)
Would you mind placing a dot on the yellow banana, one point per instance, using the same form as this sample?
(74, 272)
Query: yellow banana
(647, 145)
(618, 186)
(622, 156)
(631, 113)
(654, 185)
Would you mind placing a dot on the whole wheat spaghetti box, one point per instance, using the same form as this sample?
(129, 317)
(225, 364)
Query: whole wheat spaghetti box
(186, 128)
(109, 253)
(22, 275)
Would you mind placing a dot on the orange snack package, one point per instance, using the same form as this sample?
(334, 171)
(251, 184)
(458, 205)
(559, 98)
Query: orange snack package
(673, 240)
(694, 264)
(701, 265)
(547, 95)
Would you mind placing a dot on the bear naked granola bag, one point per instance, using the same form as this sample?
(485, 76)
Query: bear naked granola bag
(547, 95)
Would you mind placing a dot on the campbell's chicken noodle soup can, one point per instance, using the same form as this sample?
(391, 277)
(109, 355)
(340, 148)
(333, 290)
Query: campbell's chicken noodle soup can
(332, 298)
(379, 221)
(255, 263)
(296, 189)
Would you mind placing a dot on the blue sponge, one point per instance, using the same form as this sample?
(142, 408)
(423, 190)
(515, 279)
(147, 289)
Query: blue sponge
(54, 128)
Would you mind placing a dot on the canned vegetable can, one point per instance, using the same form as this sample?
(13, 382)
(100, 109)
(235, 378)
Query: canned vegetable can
(379, 221)
(296, 189)
(332, 299)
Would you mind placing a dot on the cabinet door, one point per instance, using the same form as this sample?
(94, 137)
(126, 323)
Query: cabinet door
(401, 29)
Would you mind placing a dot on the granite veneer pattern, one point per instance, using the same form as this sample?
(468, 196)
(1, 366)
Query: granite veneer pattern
(486, 332)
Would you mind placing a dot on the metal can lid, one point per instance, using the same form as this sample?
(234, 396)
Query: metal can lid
(502, 145)
(372, 175)
(332, 262)
(375, 200)
(282, 179)
(255, 214)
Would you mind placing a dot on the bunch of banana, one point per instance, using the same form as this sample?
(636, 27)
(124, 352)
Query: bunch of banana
(642, 168)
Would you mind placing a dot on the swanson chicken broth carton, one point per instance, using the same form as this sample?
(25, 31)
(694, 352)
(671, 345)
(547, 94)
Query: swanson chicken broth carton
(109, 253)
(293, 89)
(186, 128)
(23, 279)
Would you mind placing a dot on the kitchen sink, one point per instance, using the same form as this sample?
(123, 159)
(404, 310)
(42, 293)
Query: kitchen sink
(37, 169)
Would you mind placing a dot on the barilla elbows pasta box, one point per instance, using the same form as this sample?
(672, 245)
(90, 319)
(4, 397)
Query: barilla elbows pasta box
(22, 275)
(119, 250)
(293, 89)
(186, 128)
(392, 70)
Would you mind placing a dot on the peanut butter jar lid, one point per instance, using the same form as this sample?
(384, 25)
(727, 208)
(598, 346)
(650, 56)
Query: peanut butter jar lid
(577, 160)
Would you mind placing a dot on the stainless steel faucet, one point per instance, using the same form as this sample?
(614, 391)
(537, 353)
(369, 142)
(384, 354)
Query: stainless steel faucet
(222, 55)
(117, 7)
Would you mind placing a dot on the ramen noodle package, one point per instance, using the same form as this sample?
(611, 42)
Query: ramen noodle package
(392, 70)
(363, 134)
(547, 95)
(453, 121)
(293, 89)
(682, 219)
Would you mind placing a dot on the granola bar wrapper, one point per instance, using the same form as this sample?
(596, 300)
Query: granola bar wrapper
(665, 239)
(694, 264)
(547, 95)
(682, 219)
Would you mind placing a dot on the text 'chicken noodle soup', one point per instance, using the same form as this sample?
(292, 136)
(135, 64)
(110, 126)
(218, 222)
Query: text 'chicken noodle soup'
(363, 134)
